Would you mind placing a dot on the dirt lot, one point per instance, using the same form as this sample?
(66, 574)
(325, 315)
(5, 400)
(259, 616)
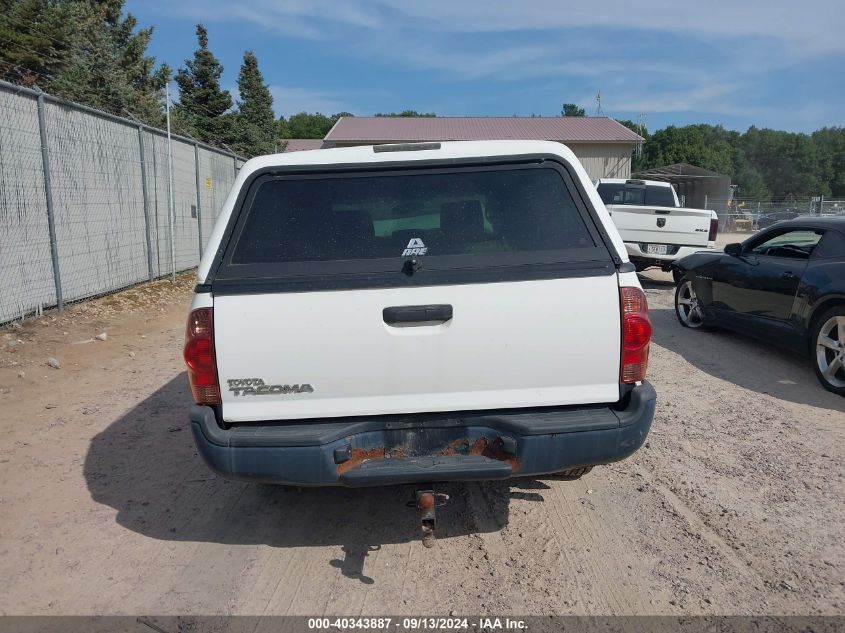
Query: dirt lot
(736, 504)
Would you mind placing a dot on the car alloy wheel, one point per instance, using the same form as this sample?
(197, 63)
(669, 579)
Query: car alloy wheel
(830, 351)
(688, 306)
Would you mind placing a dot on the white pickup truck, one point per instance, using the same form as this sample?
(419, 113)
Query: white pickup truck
(656, 229)
(416, 313)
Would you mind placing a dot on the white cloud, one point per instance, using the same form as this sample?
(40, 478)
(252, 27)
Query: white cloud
(663, 56)
(707, 96)
(812, 27)
(302, 19)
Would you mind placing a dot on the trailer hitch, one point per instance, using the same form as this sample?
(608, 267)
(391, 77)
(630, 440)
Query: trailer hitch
(426, 502)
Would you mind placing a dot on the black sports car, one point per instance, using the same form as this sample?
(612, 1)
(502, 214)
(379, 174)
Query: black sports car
(785, 285)
(765, 220)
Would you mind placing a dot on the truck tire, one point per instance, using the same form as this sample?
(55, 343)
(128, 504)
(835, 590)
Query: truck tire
(572, 474)
(827, 347)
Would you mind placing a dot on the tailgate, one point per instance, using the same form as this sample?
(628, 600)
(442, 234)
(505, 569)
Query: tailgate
(661, 225)
(507, 345)
(410, 289)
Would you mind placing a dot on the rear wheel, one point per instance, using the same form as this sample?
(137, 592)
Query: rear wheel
(688, 306)
(829, 350)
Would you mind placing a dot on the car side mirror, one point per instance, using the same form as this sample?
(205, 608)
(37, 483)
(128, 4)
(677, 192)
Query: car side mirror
(734, 249)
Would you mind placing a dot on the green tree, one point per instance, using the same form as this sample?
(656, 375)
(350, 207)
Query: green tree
(255, 130)
(203, 108)
(36, 39)
(634, 127)
(570, 109)
(750, 182)
(791, 164)
(705, 146)
(306, 125)
(408, 114)
(84, 51)
(637, 160)
(830, 144)
(109, 68)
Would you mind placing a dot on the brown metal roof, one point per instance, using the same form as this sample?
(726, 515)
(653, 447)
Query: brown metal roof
(301, 144)
(411, 129)
(678, 171)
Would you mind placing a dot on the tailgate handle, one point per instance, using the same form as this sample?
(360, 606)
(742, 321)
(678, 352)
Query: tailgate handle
(417, 314)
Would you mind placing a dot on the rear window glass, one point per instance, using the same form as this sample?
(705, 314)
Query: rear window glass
(368, 216)
(832, 245)
(659, 196)
(619, 193)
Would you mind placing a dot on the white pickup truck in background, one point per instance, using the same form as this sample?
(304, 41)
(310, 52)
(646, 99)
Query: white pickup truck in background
(656, 229)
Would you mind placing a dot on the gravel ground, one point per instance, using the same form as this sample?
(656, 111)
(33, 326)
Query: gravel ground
(734, 506)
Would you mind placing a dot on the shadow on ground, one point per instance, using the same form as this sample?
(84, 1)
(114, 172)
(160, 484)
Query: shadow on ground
(145, 466)
(751, 364)
(650, 283)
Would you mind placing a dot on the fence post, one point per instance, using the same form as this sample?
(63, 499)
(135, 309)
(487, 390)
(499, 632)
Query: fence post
(48, 193)
(146, 200)
(199, 204)
(171, 201)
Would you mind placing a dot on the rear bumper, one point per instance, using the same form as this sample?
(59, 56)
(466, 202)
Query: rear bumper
(424, 448)
(636, 251)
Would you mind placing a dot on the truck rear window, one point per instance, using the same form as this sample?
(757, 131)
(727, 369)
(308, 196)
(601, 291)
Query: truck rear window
(426, 214)
(649, 195)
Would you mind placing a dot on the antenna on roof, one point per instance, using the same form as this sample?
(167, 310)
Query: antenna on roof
(599, 111)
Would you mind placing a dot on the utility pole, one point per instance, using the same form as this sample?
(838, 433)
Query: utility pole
(171, 212)
(641, 131)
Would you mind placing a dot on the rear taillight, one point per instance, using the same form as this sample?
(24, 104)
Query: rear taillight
(200, 358)
(714, 229)
(636, 334)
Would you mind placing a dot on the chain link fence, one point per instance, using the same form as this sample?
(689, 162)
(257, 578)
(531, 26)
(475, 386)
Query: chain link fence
(85, 201)
(748, 215)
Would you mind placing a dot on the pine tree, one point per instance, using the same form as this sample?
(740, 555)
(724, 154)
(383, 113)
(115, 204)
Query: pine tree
(84, 51)
(203, 106)
(110, 69)
(36, 38)
(255, 124)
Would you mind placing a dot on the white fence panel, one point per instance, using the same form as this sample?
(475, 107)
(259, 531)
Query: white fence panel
(106, 237)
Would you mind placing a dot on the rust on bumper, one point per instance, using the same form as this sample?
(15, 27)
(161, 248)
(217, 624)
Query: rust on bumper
(494, 450)
(421, 445)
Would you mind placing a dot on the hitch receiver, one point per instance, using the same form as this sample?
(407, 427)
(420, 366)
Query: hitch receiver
(427, 501)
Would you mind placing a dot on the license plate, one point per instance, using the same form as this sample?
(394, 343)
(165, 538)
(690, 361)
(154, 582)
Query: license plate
(656, 249)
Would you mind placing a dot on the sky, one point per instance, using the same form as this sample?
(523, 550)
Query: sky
(770, 63)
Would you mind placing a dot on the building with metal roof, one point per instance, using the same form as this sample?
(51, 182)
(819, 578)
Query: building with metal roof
(603, 145)
(701, 188)
(304, 144)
